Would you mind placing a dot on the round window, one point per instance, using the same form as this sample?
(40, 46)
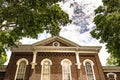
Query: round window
(56, 43)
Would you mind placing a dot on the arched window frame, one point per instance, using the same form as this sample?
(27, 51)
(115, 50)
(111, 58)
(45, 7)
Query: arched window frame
(92, 64)
(114, 74)
(63, 68)
(42, 62)
(18, 63)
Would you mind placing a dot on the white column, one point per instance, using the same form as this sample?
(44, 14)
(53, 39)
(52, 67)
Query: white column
(78, 60)
(33, 63)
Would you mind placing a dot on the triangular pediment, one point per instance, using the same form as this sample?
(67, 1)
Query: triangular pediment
(56, 39)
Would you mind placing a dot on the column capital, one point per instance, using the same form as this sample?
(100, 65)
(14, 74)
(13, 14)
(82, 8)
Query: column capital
(78, 65)
(33, 64)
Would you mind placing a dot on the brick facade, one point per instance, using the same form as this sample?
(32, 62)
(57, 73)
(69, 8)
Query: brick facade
(46, 50)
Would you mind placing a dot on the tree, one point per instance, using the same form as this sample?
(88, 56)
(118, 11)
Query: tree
(107, 29)
(112, 61)
(28, 18)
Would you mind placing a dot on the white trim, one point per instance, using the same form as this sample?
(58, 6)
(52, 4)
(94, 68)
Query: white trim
(58, 44)
(111, 69)
(42, 66)
(18, 62)
(63, 68)
(92, 64)
(78, 60)
(58, 38)
(115, 76)
(82, 49)
(46, 59)
(22, 59)
(33, 63)
(88, 60)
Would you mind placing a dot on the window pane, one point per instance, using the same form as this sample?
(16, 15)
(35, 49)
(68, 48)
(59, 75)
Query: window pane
(111, 77)
(21, 71)
(66, 70)
(46, 70)
(89, 71)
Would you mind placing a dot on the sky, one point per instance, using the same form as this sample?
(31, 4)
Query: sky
(72, 32)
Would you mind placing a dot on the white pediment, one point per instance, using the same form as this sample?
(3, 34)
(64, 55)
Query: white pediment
(62, 41)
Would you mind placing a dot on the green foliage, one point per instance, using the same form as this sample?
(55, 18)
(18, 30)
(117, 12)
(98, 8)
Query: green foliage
(112, 61)
(28, 18)
(3, 56)
(107, 30)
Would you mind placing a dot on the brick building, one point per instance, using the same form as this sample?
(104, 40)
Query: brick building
(57, 58)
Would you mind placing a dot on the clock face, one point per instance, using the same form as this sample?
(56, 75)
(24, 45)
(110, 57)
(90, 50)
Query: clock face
(56, 43)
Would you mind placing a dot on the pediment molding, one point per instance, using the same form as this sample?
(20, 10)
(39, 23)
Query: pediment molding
(56, 38)
(42, 47)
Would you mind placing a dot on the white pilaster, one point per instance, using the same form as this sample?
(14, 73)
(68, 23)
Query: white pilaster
(78, 60)
(33, 63)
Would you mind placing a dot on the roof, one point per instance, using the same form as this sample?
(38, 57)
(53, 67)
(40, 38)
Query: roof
(58, 38)
(46, 46)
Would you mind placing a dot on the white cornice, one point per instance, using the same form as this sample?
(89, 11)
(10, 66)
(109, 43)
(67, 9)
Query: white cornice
(29, 48)
(71, 47)
(3, 68)
(22, 48)
(59, 38)
(111, 69)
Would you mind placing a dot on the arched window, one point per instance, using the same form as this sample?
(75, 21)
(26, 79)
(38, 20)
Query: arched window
(112, 76)
(21, 69)
(66, 69)
(89, 69)
(45, 74)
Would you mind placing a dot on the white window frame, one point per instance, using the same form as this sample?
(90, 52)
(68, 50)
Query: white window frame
(56, 42)
(18, 63)
(63, 68)
(92, 64)
(42, 62)
(114, 74)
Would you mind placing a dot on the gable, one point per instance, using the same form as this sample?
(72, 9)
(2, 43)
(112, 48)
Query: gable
(65, 45)
(56, 39)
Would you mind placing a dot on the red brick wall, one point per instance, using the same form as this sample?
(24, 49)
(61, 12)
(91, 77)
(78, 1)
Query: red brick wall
(56, 68)
(11, 69)
(97, 67)
(2, 75)
(117, 73)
